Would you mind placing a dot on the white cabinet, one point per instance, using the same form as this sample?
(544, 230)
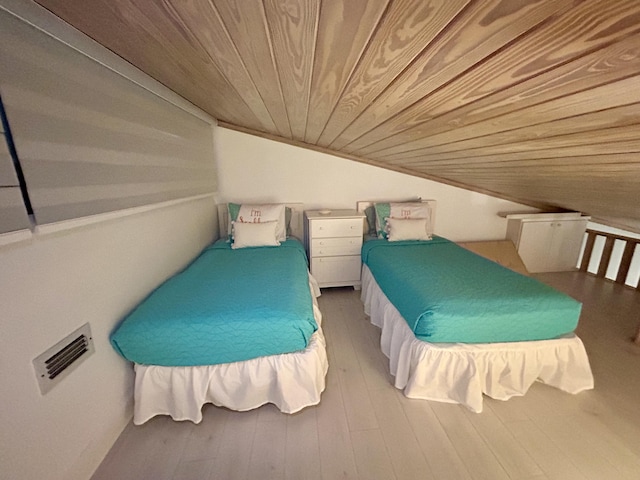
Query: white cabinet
(334, 240)
(547, 242)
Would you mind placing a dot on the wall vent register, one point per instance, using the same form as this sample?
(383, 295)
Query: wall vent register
(62, 358)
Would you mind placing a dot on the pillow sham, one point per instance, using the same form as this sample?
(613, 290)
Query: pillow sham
(408, 229)
(288, 213)
(370, 215)
(384, 211)
(259, 234)
(258, 213)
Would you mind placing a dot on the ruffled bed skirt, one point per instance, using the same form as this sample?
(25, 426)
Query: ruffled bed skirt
(462, 373)
(291, 381)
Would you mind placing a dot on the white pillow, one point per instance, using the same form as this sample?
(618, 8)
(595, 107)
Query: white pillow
(409, 210)
(388, 210)
(259, 234)
(260, 213)
(408, 229)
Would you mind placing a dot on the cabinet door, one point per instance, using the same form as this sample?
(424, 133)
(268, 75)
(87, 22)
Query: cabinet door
(551, 246)
(566, 243)
(533, 247)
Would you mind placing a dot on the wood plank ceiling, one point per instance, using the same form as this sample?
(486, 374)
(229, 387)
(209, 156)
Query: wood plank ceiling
(532, 100)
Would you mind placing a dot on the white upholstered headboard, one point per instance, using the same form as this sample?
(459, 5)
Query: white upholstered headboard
(297, 220)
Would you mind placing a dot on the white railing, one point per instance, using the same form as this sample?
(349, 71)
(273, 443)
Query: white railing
(616, 267)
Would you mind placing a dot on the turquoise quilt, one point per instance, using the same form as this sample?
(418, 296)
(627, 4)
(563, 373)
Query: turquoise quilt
(449, 294)
(227, 306)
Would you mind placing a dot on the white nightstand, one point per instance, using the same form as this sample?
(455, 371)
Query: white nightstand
(333, 241)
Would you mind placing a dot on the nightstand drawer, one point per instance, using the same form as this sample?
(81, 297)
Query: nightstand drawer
(336, 227)
(335, 270)
(327, 247)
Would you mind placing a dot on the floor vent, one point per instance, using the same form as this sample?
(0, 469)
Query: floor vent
(61, 359)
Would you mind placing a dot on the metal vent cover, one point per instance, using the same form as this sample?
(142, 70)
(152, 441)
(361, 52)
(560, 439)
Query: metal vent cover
(62, 358)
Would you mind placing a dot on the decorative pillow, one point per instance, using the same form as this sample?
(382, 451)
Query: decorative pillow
(370, 214)
(408, 229)
(288, 213)
(258, 213)
(384, 211)
(259, 234)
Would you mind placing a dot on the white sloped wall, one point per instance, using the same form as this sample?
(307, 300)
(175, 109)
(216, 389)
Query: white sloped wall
(252, 168)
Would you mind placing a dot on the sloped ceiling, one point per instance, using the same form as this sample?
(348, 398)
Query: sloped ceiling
(532, 100)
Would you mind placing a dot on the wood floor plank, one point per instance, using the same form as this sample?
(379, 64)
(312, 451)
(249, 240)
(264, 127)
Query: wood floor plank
(372, 459)
(302, 450)
(269, 413)
(579, 449)
(607, 443)
(194, 469)
(206, 437)
(357, 403)
(161, 463)
(137, 451)
(619, 419)
(234, 453)
(510, 411)
(268, 451)
(406, 455)
(117, 458)
(477, 455)
(546, 453)
(373, 363)
(336, 450)
(432, 437)
(517, 462)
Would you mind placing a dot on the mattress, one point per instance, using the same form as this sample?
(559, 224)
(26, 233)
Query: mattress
(448, 294)
(226, 306)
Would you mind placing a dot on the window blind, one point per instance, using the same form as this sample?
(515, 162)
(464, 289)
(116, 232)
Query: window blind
(89, 140)
(13, 213)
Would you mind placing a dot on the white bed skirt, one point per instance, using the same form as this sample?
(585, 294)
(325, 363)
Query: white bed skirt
(462, 373)
(291, 381)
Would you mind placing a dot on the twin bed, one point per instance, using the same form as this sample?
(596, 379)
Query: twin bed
(240, 326)
(456, 326)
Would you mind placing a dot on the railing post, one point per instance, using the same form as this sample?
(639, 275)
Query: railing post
(588, 249)
(606, 257)
(625, 262)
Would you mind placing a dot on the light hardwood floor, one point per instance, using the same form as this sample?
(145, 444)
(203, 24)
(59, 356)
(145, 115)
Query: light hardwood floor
(366, 429)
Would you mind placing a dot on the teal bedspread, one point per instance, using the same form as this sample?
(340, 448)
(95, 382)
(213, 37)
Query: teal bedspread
(449, 294)
(226, 306)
